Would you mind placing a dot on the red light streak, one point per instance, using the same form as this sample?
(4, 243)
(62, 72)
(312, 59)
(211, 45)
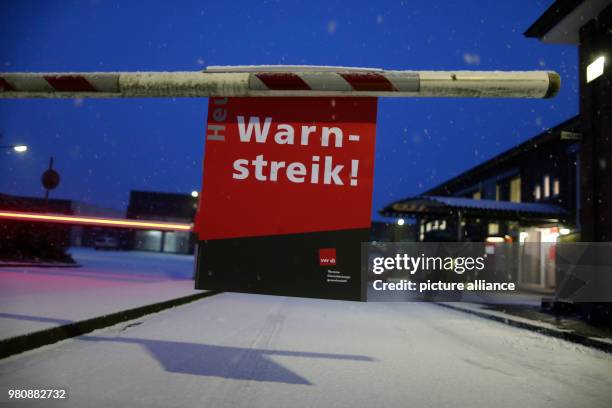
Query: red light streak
(95, 221)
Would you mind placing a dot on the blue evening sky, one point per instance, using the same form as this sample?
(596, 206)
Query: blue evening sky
(105, 148)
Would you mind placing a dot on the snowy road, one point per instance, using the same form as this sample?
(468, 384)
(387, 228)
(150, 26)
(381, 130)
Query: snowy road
(33, 299)
(246, 351)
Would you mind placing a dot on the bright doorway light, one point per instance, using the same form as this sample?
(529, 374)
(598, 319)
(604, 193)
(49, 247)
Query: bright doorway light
(595, 69)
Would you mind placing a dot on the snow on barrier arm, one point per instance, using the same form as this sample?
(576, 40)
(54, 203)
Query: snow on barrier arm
(282, 81)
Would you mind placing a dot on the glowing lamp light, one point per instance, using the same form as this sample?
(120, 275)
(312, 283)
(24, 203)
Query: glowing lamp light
(400, 221)
(20, 148)
(595, 69)
(564, 231)
(195, 194)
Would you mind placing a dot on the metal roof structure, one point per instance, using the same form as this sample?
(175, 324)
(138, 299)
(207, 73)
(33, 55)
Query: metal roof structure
(535, 142)
(467, 207)
(561, 22)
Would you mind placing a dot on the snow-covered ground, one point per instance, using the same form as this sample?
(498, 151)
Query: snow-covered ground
(33, 299)
(238, 350)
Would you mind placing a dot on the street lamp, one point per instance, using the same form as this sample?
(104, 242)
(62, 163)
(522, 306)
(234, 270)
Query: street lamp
(595, 69)
(194, 194)
(17, 148)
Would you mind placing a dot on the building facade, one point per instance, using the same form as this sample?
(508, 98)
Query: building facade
(528, 195)
(170, 207)
(50, 241)
(533, 185)
(554, 187)
(588, 25)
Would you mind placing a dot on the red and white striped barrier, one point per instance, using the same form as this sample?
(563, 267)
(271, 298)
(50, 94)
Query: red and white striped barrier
(282, 81)
(335, 81)
(58, 83)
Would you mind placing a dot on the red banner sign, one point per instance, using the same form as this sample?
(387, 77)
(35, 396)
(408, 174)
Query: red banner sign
(286, 165)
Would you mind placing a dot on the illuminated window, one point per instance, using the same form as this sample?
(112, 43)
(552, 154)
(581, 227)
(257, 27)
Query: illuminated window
(546, 186)
(497, 192)
(477, 195)
(493, 228)
(595, 69)
(556, 187)
(537, 192)
(148, 240)
(515, 190)
(443, 225)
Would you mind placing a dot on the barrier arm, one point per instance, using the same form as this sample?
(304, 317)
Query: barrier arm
(281, 80)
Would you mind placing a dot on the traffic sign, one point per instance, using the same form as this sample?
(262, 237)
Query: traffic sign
(287, 193)
(50, 179)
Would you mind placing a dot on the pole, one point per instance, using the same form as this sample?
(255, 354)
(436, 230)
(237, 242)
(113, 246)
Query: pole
(282, 81)
(459, 227)
(46, 189)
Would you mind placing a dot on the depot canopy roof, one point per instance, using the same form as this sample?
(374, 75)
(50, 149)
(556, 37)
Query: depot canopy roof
(440, 206)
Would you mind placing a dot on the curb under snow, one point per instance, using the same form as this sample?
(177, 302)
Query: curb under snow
(30, 341)
(547, 329)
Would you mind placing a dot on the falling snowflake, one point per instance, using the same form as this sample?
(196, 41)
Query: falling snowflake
(471, 59)
(331, 27)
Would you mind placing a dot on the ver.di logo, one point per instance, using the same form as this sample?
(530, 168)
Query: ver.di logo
(327, 256)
